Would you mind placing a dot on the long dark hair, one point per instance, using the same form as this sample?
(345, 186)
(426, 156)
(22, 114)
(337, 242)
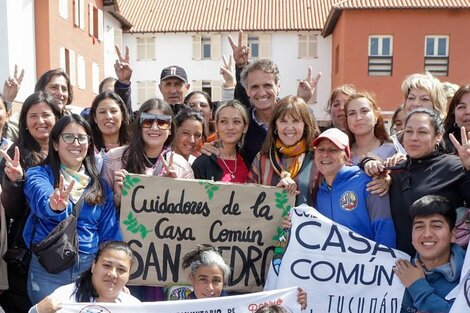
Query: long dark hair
(30, 150)
(133, 157)
(46, 78)
(434, 119)
(188, 114)
(95, 130)
(450, 126)
(96, 193)
(84, 289)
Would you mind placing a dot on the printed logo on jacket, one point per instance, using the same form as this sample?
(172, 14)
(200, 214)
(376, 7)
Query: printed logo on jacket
(348, 200)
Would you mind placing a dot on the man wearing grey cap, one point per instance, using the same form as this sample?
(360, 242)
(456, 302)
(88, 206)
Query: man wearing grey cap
(174, 84)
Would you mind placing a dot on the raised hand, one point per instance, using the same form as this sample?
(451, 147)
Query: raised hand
(169, 169)
(463, 149)
(12, 85)
(227, 73)
(13, 168)
(60, 196)
(307, 87)
(122, 67)
(240, 53)
(119, 177)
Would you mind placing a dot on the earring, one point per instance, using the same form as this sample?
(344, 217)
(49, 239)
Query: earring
(275, 132)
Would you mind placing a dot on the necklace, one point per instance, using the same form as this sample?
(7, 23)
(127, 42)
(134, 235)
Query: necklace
(232, 173)
(152, 165)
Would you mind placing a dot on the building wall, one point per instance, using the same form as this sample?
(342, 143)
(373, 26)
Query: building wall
(409, 28)
(177, 48)
(18, 43)
(54, 31)
(111, 26)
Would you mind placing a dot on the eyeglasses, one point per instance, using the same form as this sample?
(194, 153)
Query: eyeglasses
(163, 121)
(70, 138)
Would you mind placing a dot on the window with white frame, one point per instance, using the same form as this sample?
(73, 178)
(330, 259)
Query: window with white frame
(206, 47)
(254, 45)
(212, 87)
(64, 9)
(95, 76)
(68, 64)
(308, 45)
(145, 48)
(95, 20)
(81, 72)
(436, 55)
(380, 59)
(437, 46)
(145, 90)
(79, 14)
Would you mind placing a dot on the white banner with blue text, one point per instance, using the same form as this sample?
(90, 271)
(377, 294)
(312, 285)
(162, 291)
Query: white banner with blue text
(461, 293)
(247, 303)
(340, 270)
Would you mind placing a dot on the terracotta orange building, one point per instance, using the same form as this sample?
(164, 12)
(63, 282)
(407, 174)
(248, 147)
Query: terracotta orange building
(69, 34)
(376, 44)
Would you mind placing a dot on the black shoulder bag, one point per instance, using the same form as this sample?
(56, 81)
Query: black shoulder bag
(58, 251)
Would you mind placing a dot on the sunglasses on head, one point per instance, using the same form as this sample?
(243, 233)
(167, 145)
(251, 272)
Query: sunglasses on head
(163, 121)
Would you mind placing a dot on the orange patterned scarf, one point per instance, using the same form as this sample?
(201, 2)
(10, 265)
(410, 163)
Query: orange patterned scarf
(296, 151)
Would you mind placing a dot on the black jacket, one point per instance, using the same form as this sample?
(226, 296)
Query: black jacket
(436, 174)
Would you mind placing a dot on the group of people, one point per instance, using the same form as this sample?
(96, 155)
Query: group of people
(401, 190)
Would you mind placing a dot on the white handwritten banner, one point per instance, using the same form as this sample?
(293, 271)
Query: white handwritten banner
(461, 293)
(340, 270)
(164, 218)
(247, 303)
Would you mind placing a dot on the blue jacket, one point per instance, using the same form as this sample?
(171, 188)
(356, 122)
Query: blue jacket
(95, 224)
(428, 294)
(349, 204)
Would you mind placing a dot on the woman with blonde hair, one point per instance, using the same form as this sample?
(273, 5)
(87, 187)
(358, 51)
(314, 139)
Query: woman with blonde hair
(424, 90)
(231, 125)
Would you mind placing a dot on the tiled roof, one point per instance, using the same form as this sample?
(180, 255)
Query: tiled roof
(224, 15)
(339, 6)
(402, 4)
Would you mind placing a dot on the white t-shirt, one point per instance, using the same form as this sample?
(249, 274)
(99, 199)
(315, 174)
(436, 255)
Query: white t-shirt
(66, 294)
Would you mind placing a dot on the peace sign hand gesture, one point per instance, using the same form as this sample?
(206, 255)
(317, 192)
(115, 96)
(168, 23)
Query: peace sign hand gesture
(227, 73)
(60, 196)
(240, 53)
(12, 85)
(307, 87)
(122, 67)
(13, 167)
(169, 169)
(462, 149)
